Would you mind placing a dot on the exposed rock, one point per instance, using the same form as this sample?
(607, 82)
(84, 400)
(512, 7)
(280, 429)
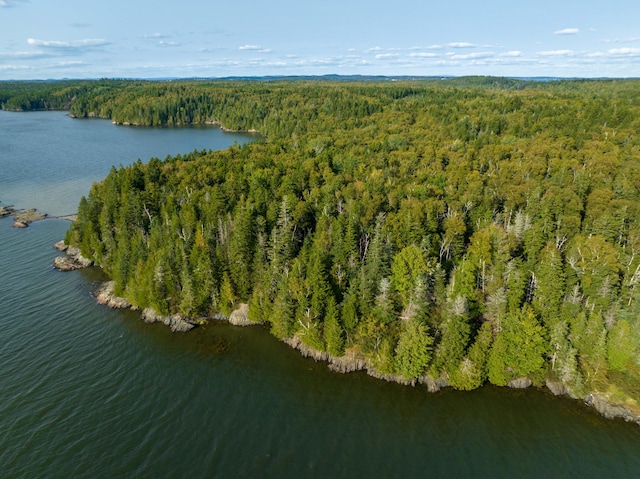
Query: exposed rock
(66, 263)
(25, 218)
(392, 378)
(6, 211)
(149, 316)
(175, 322)
(609, 410)
(72, 251)
(74, 259)
(559, 389)
(520, 383)
(433, 385)
(104, 295)
(61, 246)
(178, 324)
(354, 361)
(305, 350)
(350, 361)
(240, 316)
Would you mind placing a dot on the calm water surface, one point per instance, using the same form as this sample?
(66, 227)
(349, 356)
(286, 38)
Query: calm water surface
(86, 391)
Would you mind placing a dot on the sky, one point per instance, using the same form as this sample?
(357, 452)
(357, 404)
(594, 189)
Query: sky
(52, 39)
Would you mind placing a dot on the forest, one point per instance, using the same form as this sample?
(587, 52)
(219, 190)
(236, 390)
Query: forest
(471, 229)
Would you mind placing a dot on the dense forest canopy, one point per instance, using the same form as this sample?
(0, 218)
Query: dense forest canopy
(472, 229)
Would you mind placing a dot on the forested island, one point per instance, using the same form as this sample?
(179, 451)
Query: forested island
(450, 232)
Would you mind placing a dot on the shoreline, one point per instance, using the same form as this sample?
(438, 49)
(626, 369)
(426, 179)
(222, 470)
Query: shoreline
(352, 360)
(24, 217)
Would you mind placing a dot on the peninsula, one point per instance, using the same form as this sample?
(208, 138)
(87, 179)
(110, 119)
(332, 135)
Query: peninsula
(451, 232)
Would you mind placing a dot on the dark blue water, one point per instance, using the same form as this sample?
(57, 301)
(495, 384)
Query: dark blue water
(86, 391)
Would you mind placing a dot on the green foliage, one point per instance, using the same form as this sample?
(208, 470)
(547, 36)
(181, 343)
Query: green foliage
(413, 351)
(510, 231)
(519, 349)
(455, 336)
(472, 369)
(408, 266)
(621, 346)
(333, 331)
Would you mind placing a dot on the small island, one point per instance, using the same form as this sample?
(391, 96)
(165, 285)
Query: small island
(22, 218)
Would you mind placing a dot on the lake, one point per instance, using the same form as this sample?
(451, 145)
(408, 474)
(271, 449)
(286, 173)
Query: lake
(86, 391)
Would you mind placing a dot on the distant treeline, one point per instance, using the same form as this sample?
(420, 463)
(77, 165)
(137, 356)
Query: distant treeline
(477, 229)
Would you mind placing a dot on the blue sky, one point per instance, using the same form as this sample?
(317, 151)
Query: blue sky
(42, 39)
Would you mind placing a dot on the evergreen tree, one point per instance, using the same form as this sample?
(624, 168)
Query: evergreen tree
(333, 331)
(518, 350)
(413, 351)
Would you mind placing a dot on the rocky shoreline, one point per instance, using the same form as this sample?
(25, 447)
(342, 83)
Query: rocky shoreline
(72, 260)
(351, 361)
(22, 219)
(177, 323)
(354, 361)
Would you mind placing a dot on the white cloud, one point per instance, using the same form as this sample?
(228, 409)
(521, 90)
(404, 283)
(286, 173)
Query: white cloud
(460, 45)
(624, 51)
(430, 47)
(387, 55)
(24, 55)
(254, 48)
(567, 31)
(513, 53)
(14, 67)
(69, 64)
(77, 44)
(153, 36)
(556, 53)
(10, 3)
(422, 55)
(470, 56)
